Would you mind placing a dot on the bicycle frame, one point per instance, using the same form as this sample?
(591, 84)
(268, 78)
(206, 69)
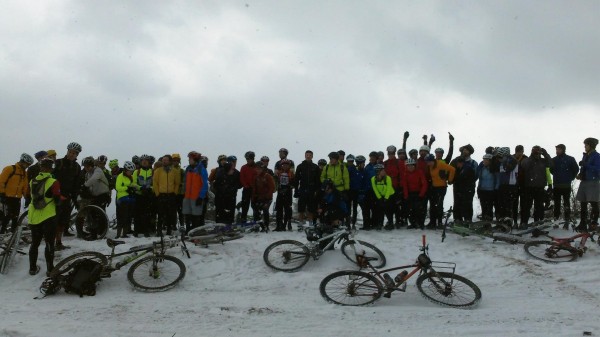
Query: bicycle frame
(314, 246)
(156, 248)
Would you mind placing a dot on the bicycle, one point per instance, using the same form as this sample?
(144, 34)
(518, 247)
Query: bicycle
(90, 222)
(291, 255)
(558, 249)
(12, 243)
(156, 272)
(219, 233)
(355, 288)
(517, 236)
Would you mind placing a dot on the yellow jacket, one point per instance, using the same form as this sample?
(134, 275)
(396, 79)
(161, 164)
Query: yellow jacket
(164, 181)
(14, 182)
(441, 173)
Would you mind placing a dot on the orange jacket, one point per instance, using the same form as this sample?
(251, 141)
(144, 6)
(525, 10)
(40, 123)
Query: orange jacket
(196, 182)
(14, 182)
(441, 174)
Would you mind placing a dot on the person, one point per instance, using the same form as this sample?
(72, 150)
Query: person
(263, 188)
(265, 160)
(283, 203)
(368, 209)
(13, 187)
(394, 169)
(464, 184)
(52, 155)
(247, 176)
(195, 189)
(383, 189)
(589, 187)
(487, 187)
(227, 184)
(439, 152)
(360, 182)
(135, 159)
(34, 170)
(94, 191)
(321, 163)
(283, 154)
(519, 156)
(166, 184)
(508, 189)
(206, 201)
(532, 179)
(45, 191)
(179, 195)
(68, 173)
(332, 208)
(115, 170)
(564, 170)
(212, 176)
(126, 191)
(442, 175)
(145, 199)
(336, 172)
(415, 190)
(306, 185)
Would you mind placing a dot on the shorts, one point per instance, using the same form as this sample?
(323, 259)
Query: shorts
(589, 191)
(189, 207)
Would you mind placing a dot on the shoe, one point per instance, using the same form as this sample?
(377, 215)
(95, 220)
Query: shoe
(67, 233)
(289, 226)
(411, 227)
(124, 236)
(582, 227)
(146, 235)
(34, 271)
(135, 235)
(59, 246)
(388, 226)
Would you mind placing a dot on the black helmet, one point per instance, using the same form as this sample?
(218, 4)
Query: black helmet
(135, 160)
(334, 155)
(249, 155)
(74, 146)
(378, 168)
(322, 162)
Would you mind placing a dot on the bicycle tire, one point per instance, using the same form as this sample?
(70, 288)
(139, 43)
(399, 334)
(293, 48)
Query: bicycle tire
(11, 250)
(371, 251)
(95, 217)
(351, 288)
(144, 270)
(460, 293)
(286, 255)
(550, 251)
(65, 263)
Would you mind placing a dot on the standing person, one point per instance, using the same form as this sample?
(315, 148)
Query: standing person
(34, 170)
(394, 169)
(321, 163)
(227, 184)
(126, 192)
(94, 191)
(383, 190)
(204, 162)
(533, 180)
(52, 155)
(564, 170)
(442, 175)
(508, 189)
(306, 184)
(361, 182)
(195, 189)
(115, 170)
(263, 188)
(283, 204)
(439, 152)
(45, 192)
(464, 184)
(179, 195)
(247, 176)
(487, 187)
(415, 190)
(336, 172)
(369, 201)
(13, 187)
(519, 156)
(221, 159)
(166, 183)
(145, 199)
(589, 188)
(67, 171)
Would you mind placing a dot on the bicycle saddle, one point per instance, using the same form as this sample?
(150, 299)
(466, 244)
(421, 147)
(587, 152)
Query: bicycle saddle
(113, 243)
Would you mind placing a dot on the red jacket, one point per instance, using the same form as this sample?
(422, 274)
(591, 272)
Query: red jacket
(395, 169)
(414, 182)
(263, 187)
(247, 175)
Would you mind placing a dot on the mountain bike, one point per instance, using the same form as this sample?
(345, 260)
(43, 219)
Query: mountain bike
(357, 287)
(13, 243)
(152, 271)
(90, 222)
(219, 233)
(518, 236)
(559, 249)
(291, 255)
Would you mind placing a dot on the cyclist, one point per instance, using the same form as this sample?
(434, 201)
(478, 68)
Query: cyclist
(263, 188)
(487, 187)
(383, 189)
(94, 190)
(415, 190)
(126, 190)
(145, 200)
(52, 155)
(179, 198)
(13, 187)
(283, 154)
(464, 184)
(564, 170)
(283, 203)
(589, 188)
(307, 184)
(34, 170)
(68, 173)
(195, 188)
(532, 176)
(442, 175)
(394, 169)
(247, 176)
(166, 184)
(332, 208)
(227, 184)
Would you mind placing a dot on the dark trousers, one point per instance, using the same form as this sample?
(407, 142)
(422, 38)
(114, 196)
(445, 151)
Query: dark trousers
(353, 201)
(283, 206)
(368, 206)
(144, 222)
(463, 205)
(12, 207)
(246, 196)
(45, 230)
(261, 208)
(507, 194)
(563, 193)
(380, 210)
(167, 211)
(414, 205)
(63, 216)
(125, 213)
(225, 208)
(516, 202)
(532, 196)
(487, 200)
(436, 204)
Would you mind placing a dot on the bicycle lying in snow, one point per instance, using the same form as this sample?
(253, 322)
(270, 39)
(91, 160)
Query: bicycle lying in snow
(558, 249)
(352, 287)
(291, 255)
(219, 233)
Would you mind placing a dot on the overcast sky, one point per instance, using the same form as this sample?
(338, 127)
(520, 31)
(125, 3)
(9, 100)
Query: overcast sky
(156, 77)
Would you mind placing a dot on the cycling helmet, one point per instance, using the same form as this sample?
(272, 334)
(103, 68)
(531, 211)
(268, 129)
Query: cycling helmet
(74, 146)
(360, 159)
(88, 161)
(413, 151)
(113, 163)
(327, 183)
(380, 154)
(204, 159)
(176, 156)
(26, 158)
(322, 162)
(334, 155)
(145, 157)
(373, 154)
(429, 157)
(102, 159)
(285, 162)
(221, 157)
(129, 166)
(391, 149)
(342, 153)
(378, 167)
(439, 150)
(350, 157)
(424, 148)
(488, 156)
(411, 161)
(195, 156)
(135, 159)
(249, 155)
(284, 150)
(231, 158)
(259, 164)
(264, 158)
(40, 154)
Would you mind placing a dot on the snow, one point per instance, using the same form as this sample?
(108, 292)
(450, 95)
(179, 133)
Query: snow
(229, 291)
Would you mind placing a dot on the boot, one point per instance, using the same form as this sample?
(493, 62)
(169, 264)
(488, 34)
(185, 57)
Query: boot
(289, 226)
(119, 231)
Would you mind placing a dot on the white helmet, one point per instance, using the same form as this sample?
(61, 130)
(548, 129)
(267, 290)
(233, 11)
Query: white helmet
(129, 166)
(424, 148)
(26, 158)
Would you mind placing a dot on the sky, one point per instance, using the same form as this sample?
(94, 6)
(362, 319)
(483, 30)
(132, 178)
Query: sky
(157, 77)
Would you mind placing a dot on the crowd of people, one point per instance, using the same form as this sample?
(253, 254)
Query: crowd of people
(392, 193)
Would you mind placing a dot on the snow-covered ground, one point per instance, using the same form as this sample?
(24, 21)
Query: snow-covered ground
(229, 291)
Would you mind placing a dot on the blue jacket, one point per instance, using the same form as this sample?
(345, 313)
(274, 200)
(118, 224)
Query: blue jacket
(590, 166)
(488, 180)
(370, 170)
(564, 170)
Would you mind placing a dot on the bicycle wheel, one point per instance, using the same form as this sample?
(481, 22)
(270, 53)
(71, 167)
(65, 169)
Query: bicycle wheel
(91, 220)
(448, 289)
(11, 249)
(156, 273)
(550, 251)
(65, 264)
(348, 287)
(286, 255)
(370, 251)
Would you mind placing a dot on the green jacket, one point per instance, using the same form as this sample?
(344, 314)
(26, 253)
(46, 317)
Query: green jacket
(123, 182)
(37, 216)
(338, 174)
(382, 188)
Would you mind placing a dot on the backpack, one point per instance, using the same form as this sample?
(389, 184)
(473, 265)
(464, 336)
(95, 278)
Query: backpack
(38, 191)
(82, 279)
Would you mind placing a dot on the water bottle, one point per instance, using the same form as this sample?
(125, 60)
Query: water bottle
(400, 277)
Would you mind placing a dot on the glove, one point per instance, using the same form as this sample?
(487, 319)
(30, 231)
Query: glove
(296, 193)
(27, 202)
(130, 190)
(199, 201)
(451, 137)
(432, 138)
(406, 134)
(424, 137)
(544, 152)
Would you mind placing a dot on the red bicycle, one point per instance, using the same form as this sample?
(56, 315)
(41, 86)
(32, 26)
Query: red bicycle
(559, 249)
